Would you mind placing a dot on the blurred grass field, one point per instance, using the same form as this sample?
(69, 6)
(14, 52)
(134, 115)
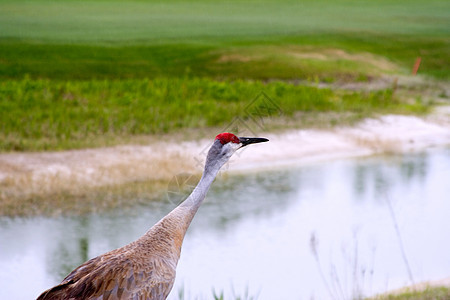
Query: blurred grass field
(130, 39)
(72, 71)
(103, 21)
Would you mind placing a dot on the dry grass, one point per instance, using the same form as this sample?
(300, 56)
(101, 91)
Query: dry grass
(81, 200)
(78, 182)
(328, 64)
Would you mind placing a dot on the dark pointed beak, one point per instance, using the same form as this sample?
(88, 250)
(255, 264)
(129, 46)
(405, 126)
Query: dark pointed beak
(247, 141)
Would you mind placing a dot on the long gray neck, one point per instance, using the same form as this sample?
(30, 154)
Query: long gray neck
(197, 196)
(176, 223)
(178, 220)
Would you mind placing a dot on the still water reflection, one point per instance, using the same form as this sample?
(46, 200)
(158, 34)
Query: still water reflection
(313, 231)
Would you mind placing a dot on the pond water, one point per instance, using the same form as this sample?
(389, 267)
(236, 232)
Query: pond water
(336, 229)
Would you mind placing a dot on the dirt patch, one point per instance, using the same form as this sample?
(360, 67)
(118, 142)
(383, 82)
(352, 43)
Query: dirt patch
(380, 63)
(298, 53)
(234, 58)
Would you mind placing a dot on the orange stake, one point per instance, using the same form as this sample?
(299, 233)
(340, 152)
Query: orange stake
(416, 65)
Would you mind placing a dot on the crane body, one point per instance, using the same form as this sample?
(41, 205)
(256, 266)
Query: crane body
(146, 268)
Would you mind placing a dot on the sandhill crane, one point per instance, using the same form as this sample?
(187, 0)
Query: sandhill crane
(145, 268)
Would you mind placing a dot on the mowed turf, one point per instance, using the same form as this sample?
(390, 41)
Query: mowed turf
(166, 21)
(130, 39)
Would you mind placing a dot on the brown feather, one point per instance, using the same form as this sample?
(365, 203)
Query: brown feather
(144, 269)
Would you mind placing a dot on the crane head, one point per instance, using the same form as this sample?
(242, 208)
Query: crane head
(226, 137)
(225, 145)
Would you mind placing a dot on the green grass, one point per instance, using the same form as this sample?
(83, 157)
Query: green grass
(103, 21)
(116, 39)
(430, 293)
(50, 114)
(97, 72)
(260, 60)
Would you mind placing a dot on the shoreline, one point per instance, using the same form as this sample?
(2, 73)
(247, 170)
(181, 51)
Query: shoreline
(38, 175)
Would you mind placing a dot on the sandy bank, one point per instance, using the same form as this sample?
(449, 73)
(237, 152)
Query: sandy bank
(42, 173)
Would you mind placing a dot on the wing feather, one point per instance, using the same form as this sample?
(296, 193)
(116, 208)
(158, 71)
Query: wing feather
(143, 269)
(115, 276)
